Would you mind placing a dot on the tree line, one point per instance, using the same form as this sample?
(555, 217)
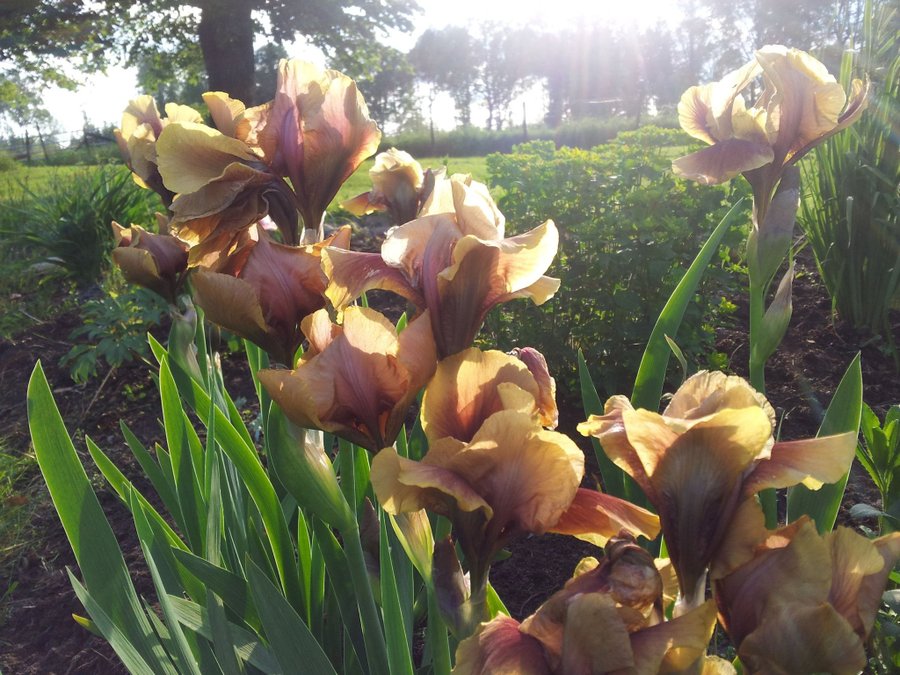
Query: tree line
(182, 48)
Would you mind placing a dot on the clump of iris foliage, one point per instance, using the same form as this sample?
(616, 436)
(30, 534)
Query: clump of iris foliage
(349, 534)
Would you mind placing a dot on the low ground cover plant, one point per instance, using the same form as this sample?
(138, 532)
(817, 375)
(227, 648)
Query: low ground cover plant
(351, 537)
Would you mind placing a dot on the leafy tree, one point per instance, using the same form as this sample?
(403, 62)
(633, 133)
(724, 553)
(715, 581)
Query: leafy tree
(449, 59)
(508, 61)
(37, 30)
(267, 58)
(19, 104)
(386, 78)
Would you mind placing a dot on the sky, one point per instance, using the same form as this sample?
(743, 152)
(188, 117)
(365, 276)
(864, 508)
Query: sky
(103, 96)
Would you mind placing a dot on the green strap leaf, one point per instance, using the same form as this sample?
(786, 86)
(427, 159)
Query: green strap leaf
(248, 647)
(120, 643)
(613, 477)
(289, 637)
(651, 376)
(89, 533)
(843, 415)
(399, 648)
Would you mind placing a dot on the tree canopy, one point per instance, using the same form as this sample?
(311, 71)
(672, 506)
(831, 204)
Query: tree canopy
(34, 32)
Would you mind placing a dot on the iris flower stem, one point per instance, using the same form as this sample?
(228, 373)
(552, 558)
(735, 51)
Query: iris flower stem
(767, 498)
(373, 633)
(477, 604)
(437, 636)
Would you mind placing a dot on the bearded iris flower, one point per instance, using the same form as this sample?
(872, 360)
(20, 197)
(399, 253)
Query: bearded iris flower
(154, 261)
(356, 380)
(223, 187)
(262, 290)
(493, 470)
(702, 461)
(452, 260)
(315, 132)
(608, 619)
(398, 187)
(801, 105)
(806, 602)
(141, 128)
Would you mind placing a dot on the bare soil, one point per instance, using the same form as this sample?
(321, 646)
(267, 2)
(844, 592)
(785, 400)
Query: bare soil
(37, 632)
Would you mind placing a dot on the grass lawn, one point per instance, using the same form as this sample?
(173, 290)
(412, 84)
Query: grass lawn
(15, 184)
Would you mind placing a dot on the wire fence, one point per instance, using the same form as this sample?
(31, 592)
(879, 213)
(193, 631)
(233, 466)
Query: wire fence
(39, 145)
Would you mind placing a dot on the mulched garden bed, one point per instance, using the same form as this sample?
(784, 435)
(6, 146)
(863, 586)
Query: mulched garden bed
(37, 633)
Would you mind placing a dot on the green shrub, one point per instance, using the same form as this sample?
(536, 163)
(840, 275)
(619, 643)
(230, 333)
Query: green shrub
(473, 142)
(91, 156)
(7, 163)
(67, 221)
(628, 230)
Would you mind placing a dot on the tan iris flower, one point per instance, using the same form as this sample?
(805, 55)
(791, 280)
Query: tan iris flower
(453, 260)
(801, 105)
(223, 187)
(511, 478)
(316, 132)
(806, 603)
(356, 380)
(469, 387)
(154, 261)
(397, 185)
(492, 469)
(708, 454)
(608, 619)
(141, 128)
(262, 290)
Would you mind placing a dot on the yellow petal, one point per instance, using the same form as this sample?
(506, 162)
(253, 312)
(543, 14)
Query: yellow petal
(812, 462)
(746, 532)
(182, 113)
(403, 485)
(464, 392)
(803, 639)
(707, 392)
(320, 332)
(522, 260)
(695, 479)
(140, 110)
(596, 517)
(791, 568)
(674, 645)
(595, 639)
(499, 648)
(193, 155)
(227, 114)
(231, 302)
(861, 568)
(405, 246)
(537, 365)
(528, 475)
(723, 161)
(351, 273)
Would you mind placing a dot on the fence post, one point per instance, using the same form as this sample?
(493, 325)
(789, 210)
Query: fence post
(27, 147)
(43, 145)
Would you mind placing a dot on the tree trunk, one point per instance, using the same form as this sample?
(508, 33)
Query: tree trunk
(226, 39)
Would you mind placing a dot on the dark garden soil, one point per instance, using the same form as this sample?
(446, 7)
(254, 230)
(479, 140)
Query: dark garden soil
(37, 632)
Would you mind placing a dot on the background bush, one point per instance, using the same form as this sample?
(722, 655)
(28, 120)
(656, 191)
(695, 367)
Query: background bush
(472, 141)
(628, 229)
